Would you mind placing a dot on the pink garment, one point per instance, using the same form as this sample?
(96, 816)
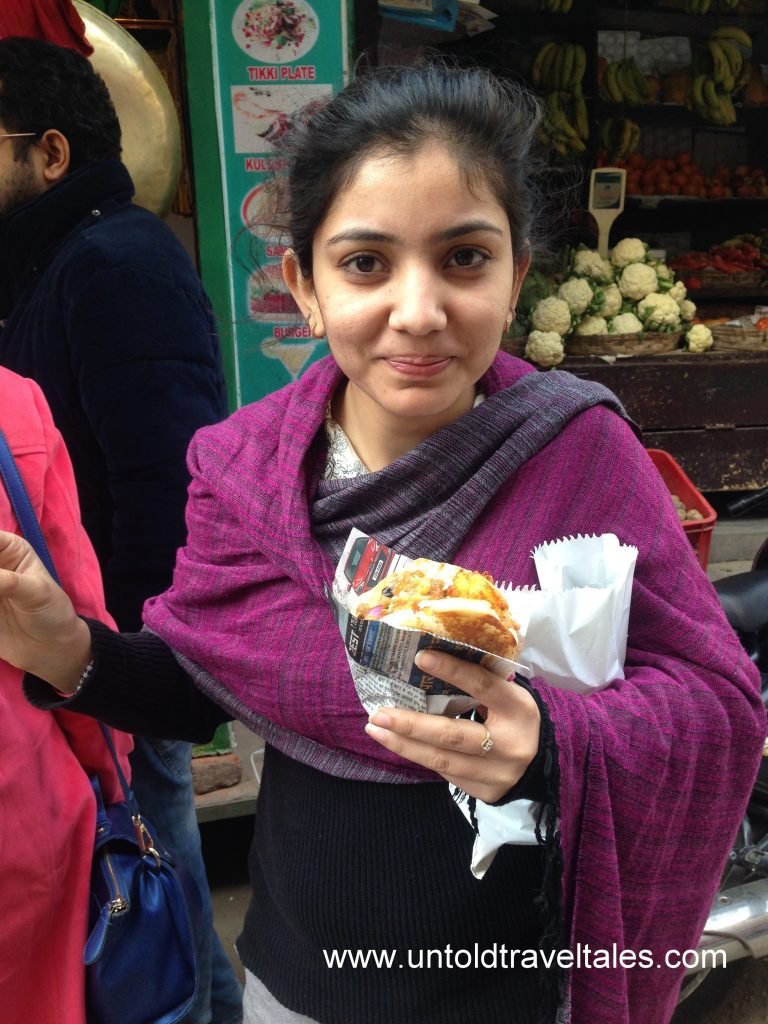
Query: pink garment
(46, 803)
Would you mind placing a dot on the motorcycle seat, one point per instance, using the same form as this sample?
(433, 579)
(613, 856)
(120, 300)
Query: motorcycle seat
(744, 598)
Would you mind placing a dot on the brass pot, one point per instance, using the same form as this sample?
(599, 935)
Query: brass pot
(144, 105)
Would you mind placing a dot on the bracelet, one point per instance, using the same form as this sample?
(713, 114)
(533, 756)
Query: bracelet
(87, 673)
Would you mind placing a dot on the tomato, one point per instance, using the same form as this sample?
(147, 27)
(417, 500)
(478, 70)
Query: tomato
(762, 323)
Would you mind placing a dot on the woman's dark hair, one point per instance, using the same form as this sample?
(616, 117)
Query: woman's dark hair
(488, 125)
(46, 86)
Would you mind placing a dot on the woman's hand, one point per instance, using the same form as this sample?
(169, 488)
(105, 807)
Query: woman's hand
(40, 632)
(453, 747)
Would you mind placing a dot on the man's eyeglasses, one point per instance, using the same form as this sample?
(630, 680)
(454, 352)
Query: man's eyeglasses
(17, 135)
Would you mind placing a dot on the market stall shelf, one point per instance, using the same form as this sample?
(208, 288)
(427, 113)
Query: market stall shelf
(708, 410)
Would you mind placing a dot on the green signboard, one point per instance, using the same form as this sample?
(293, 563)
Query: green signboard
(267, 59)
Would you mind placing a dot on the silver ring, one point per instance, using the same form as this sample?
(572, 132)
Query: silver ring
(487, 743)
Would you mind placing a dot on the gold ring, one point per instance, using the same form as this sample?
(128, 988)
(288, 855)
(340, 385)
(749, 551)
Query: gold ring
(487, 743)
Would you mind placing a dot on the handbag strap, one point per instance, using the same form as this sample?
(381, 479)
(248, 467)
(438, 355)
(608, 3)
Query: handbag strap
(22, 506)
(30, 528)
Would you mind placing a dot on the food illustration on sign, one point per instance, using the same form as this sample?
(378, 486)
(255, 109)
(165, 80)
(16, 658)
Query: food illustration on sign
(262, 211)
(268, 295)
(264, 122)
(262, 115)
(293, 353)
(275, 31)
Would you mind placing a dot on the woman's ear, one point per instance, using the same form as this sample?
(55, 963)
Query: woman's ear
(303, 292)
(522, 266)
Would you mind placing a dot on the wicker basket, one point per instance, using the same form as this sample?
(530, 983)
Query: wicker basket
(716, 280)
(647, 344)
(739, 339)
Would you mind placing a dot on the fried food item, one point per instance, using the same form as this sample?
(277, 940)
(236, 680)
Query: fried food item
(445, 600)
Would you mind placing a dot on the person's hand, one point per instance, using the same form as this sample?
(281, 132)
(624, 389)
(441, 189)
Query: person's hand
(453, 747)
(40, 632)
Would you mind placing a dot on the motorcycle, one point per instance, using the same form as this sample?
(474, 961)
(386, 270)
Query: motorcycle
(737, 927)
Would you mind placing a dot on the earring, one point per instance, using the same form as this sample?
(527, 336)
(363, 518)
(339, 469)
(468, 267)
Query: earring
(510, 317)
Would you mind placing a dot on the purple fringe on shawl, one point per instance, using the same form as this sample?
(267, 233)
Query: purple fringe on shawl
(655, 770)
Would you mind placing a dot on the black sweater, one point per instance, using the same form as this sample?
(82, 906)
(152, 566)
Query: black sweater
(104, 309)
(341, 865)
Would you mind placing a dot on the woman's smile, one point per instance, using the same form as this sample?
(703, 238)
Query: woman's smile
(419, 366)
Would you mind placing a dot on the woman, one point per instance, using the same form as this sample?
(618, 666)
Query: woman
(48, 808)
(410, 219)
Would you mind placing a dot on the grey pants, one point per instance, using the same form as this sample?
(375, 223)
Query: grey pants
(261, 1007)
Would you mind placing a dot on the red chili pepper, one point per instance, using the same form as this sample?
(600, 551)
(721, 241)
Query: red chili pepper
(733, 256)
(726, 266)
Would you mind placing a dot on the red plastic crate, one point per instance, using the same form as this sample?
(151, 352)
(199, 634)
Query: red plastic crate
(699, 531)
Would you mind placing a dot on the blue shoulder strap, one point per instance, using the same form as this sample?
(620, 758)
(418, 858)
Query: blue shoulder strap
(22, 506)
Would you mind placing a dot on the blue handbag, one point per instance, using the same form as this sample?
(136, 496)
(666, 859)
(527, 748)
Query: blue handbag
(145, 909)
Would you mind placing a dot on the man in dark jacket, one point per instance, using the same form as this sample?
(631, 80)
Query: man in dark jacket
(104, 309)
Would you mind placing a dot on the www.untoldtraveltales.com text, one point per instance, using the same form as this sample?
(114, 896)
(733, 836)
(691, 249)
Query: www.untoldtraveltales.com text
(500, 956)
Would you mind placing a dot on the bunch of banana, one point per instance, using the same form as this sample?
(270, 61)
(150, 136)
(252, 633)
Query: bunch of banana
(624, 82)
(559, 67)
(556, 6)
(697, 6)
(726, 61)
(620, 136)
(736, 35)
(566, 123)
(711, 101)
(731, 38)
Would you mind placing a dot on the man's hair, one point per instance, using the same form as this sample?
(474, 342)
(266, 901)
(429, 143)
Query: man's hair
(46, 86)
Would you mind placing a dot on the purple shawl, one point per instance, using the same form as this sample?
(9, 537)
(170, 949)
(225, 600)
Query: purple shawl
(247, 614)
(655, 771)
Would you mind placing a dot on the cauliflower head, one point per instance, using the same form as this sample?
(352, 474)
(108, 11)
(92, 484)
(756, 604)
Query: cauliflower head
(589, 263)
(592, 325)
(698, 338)
(552, 314)
(625, 323)
(678, 291)
(545, 348)
(612, 300)
(687, 309)
(659, 312)
(577, 293)
(637, 280)
(664, 276)
(628, 250)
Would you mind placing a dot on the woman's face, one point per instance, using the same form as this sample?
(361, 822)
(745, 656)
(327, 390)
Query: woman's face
(413, 279)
